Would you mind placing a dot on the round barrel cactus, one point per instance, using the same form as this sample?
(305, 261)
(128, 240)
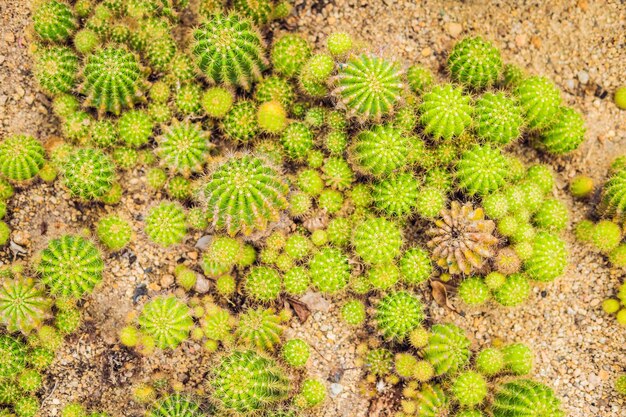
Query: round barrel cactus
(21, 157)
(525, 398)
(475, 62)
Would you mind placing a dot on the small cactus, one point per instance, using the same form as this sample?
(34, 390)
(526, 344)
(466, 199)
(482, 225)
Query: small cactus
(445, 111)
(114, 232)
(377, 240)
(165, 224)
(396, 195)
(229, 50)
(397, 314)
(312, 393)
(183, 147)
(54, 21)
(613, 204)
(565, 133)
(263, 284)
(259, 328)
(369, 87)
(431, 401)
(297, 140)
(518, 359)
(240, 124)
(475, 62)
(379, 151)
(272, 117)
(552, 215)
(420, 78)
(513, 292)
(329, 270)
(447, 349)
(415, 266)
(337, 174)
(167, 320)
(482, 170)
(490, 361)
(289, 54)
(549, 258)
(296, 352)
(469, 389)
(135, 128)
(473, 291)
(539, 98)
(430, 201)
(581, 186)
(175, 405)
(244, 382)
(70, 266)
(216, 102)
(21, 157)
(56, 71)
(525, 398)
(23, 305)
(353, 312)
(498, 119)
(244, 194)
(339, 43)
(88, 173)
(275, 88)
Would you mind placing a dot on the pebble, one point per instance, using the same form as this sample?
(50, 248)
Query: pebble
(455, 29)
(583, 77)
(427, 52)
(335, 389)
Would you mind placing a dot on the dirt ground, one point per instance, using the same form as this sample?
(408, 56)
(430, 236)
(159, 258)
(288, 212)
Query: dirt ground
(580, 351)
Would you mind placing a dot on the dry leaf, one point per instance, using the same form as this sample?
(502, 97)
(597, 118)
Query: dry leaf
(440, 294)
(301, 309)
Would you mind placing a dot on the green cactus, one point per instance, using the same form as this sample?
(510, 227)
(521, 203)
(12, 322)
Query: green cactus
(289, 54)
(114, 232)
(318, 68)
(23, 305)
(167, 320)
(620, 383)
(490, 361)
(383, 276)
(244, 194)
(445, 111)
(56, 70)
(430, 202)
(415, 266)
(216, 102)
(379, 151)
(469, 389)
(312, 393)
(188, 99)
(40, 358)
(165, 223)
(240, 124)
(581, 186)
(30, 380)
(54, 21)
(339, 43)
(221, 256)
(86, 41)
(64, 104)
(297, 140)
(431, 401)
(103, 133)
(113, 80)
(552, 215)
(229, 50)
(70, 266)
(135, 128)
(296, 352)
(27, 406)
(245, 382)
(259, 11)
(275, 88)
(272, 117)
(565, 133)
(353, 312)
(475, 62)
(377, 240)
(175, 405)
(263, 284)
(539, 98)
(513, 292)
(329, 270)
(473, 291)
(183, 147)
(549, 258)
(159, 52)
(481, 170)
(613, 204)
(420, 78)
(369, 87)
(337, 173)
(67, 321)
(518, 359)
(12, 358)
(525, 398)
(542, 176)
(397, 314)
(259, 328)
(447, 349)
(498, 119)
(297, 280)
(21, 157)
(88, 173)
(396, 195)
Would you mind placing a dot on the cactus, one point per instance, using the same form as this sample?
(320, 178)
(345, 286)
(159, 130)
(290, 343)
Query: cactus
(165, 223)
(159, 52)
(369, 87)
(114, 232)
(396, 195)
(263, 284)
(296, 280)
(473, 291)
(613, 204)
(23, 305)
(76, 126)
(565, 133)
(40, 358)
(336, 142)
(221, 256)
(397, 314)
(542, 176)
(462, 227)
(56, 70)
(552, 215)
(445, 111)
(337, 173)
(244, 194)
(240, 124)
(103, 133)
(518, 359)
(383, 276)
(581, 186)
(29, 380)
(339, 43)
(27, 406)
(469, 389)
(549, 258)
(525, 398)
(275, 88)
(415, 266)
(216, 102)
(54, 21)
(167, 320)
(272, 117)
(497, 118)
(379, 361)
(259, 328)
(420, 78)
(113, 80)
(175, 405)
(88, 173)
(188, 99)
(379, 151)
(513, 292)
(430, 202)
(297, 140)
(183, 147)
(620, 383)
(481, 170)
(490, 361)
(447, 349)
(312, 393)
(296, 353)
(259, 11)
(67, 321)
(13, 357)
(539, 98)
(289, 54)
(377, 240)
(135, 128)
(353, 312)
(431, 401)
(329, 270)
(318, 68)
(244, 382)
(475, 62)
(21, 157)
(229, 50)
(70, 266)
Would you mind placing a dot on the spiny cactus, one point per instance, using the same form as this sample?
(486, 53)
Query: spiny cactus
(240, 124)
(420, 78)
(113, 80)
(312, 393)
(369, 87)
(581, 186)
(447, 349)
(462, 239)
(353, 312)
(513, 292)
(244, 194)
(259, 328)
(263, 283)
(244, 382)
(23, 305)
(415, 266)
(565, 133)
(88, 173)
(377, 240)
(469, 388)
(445, 111)
(380, 150)
(525, 398)
(552, 215)
(103, 133)
(297, 280)
(539, 98)
(397, 314)
(490, 361)
(175, 405)
(475, 62)
(482, 170)
(272, 117)
(21, 157)
(337, 173)
(296, 352)
(329, 270)
(430, 201)
(183, 147)
(229, 50)
(135, 128)
(56, 70)
(473, 291)
(498, 119)
(167, 320)
(339, 43)
(431, 401)
(613, 204)
(518, 358)
(289, 53)
(70, 266)
(396, 195)
(549, 258)
(297, 140)
(54, 21)
(114, 232)
(165, 223)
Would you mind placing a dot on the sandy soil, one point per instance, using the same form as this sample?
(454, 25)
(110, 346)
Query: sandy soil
(580, 351)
